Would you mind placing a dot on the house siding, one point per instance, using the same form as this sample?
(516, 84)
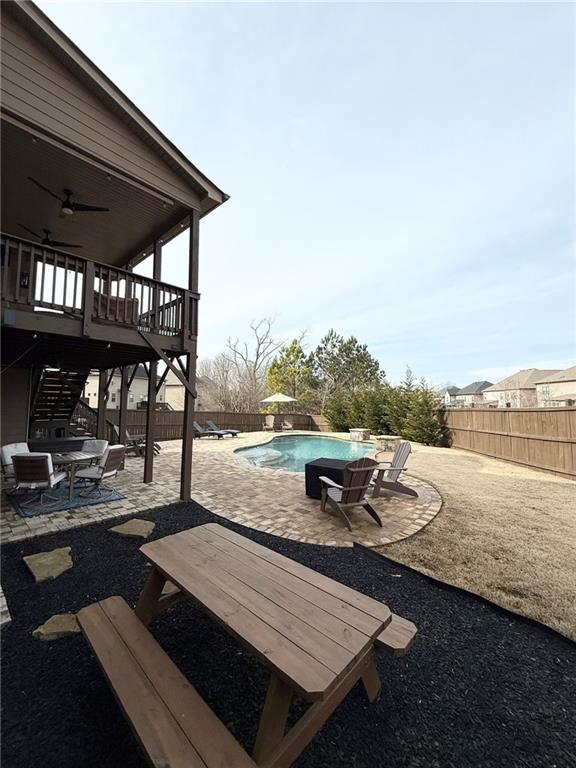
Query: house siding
(38, 89)
(138, 392)
(15, 405)
(517, 398)
(548, 392)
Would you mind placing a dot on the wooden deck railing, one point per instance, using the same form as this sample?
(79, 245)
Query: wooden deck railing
(41, 277)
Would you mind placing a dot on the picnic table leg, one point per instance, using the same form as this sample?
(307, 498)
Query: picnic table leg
(149, 597)
(274, 717)
(371, 680)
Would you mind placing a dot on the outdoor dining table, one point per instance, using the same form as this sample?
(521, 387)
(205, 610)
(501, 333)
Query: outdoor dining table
(314, 634)
(70, 462)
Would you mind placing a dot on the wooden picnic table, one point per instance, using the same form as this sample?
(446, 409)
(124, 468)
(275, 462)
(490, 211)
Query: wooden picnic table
(316, 635)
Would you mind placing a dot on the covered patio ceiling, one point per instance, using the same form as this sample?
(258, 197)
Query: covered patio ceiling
(136, 218)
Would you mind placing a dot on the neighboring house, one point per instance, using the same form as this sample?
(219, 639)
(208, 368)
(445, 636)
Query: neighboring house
(558, 389)
(174, 393)
(138, 392)
(472, 394)
(448, 395)
(517, 390)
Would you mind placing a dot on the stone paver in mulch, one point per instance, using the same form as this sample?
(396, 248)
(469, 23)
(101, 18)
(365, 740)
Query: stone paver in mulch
(57, 626)
(49, 565)
(136, 528)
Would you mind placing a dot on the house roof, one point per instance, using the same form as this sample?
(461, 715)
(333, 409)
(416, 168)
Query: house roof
(524, 379)
(43, 28)
(450, 390)
(476, 388)
(569, 374)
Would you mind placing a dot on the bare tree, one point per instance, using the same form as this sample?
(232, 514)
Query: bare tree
(238, 376)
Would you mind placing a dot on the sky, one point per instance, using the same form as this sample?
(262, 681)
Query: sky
(399, 172)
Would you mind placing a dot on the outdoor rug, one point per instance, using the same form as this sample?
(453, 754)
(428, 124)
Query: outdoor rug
(481, 687)
(63, 502)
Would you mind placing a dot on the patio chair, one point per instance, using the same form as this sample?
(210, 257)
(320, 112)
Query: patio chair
(269, 424)
(287, 424)
(8, 451)
(97, 447)
(388, 476)
(201, 432)
(352, 492)
(35, 472)
(107, 467)
(213, 428)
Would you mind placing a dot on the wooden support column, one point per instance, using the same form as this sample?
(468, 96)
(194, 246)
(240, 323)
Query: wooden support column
(150, 421)
(190, 366)
(152, 376)
(102, 400)
(123, 415)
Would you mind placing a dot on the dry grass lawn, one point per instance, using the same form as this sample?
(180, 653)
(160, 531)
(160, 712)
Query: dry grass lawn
(504, 532)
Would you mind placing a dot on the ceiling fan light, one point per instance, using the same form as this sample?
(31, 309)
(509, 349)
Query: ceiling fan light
(67, 210)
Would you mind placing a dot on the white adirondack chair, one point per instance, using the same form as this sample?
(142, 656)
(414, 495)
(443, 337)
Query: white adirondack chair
(388, 472)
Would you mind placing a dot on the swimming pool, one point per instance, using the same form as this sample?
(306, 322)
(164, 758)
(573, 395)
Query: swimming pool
(292, 452)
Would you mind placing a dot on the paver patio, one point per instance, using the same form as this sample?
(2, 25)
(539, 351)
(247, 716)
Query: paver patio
(272, 501)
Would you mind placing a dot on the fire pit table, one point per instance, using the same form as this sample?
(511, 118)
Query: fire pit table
(314, 470)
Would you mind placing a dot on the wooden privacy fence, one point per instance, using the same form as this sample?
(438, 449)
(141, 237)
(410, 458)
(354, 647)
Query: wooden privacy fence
(168, 424)
(541, 438)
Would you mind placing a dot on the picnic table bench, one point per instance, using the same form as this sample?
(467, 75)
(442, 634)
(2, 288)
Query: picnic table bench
(316, 635)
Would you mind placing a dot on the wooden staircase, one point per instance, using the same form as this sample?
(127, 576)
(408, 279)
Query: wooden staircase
(57, 394)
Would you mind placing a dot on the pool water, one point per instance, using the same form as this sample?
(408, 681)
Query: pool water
(292, 452)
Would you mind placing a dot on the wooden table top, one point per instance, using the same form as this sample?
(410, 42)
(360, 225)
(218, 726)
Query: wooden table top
(307, 627)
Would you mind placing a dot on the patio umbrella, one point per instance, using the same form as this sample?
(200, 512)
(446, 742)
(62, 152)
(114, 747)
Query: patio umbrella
(279, 398)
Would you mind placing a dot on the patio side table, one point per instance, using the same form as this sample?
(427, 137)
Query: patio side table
(314, 470)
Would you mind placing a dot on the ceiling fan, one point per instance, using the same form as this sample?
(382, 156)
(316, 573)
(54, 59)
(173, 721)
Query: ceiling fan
(47, 240)
(69, 207)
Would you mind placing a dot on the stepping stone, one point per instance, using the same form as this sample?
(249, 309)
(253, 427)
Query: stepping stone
(57, 626)
(49, 565)
(135, 527)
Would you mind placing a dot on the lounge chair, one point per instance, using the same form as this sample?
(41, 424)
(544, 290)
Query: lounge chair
(352, 492)
(270, 424)
(213, 428)
(388, 472)
(35, 472)
(107, 468)
(201, 432)
(136, 444)
(287, 424)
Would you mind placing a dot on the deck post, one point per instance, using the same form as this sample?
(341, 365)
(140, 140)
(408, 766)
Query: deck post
(150, 421)
(123, 414)
(102, 399)
(188, 428)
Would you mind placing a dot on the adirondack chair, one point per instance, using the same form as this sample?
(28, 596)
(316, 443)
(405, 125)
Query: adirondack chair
(388, 473)
(356, 481)
(287, 424)
(269, 424)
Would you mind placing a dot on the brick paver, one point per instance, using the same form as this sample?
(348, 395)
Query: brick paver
(268, 500)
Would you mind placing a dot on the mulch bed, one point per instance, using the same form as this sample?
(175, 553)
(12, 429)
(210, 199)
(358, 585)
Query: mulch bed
(481, 687)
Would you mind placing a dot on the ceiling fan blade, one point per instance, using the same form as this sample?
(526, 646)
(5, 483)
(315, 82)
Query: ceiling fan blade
(31, 231)
(60, 244)
(41, 186)
(88, 208)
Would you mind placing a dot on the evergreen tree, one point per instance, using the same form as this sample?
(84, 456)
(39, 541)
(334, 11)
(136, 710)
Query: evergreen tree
(422, 423)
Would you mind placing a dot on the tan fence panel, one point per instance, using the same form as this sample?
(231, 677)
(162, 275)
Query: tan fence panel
(168, 424)
(541, 438)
